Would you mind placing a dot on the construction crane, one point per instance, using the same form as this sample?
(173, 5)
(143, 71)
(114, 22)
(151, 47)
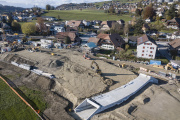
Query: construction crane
(98, 72)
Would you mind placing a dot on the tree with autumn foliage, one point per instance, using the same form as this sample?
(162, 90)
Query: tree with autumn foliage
(40, 26)
(148, 12)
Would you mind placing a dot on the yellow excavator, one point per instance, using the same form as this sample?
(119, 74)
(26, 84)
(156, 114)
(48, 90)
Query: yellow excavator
(169, 67)
(106, 81)
(98, 71)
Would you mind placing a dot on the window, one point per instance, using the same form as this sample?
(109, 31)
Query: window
(142, 54)
(151, 47)
(151, 51)
(143, 51)
(143, 47)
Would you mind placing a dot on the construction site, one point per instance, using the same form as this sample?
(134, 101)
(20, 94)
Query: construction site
(68, 78)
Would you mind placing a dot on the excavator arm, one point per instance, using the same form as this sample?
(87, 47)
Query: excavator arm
(98, 71)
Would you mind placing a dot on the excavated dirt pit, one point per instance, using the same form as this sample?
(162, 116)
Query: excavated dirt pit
(75, 81)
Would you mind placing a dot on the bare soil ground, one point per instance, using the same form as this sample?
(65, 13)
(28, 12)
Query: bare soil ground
(21, 77)
(152, 103)
(75, 81)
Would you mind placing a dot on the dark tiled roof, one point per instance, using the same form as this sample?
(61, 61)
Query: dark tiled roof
(177, 33)
(109, 23)
(62, 35)
(175, 43)
(117, 40)
(177, 20)
(94, 40)
(102, 36)
(133, 38)
(74, 23)
(144, 39)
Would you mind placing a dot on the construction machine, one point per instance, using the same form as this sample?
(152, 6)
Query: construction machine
(169, 67)
(52, 54)
(36, 49)
(123, 65)
(98, 72)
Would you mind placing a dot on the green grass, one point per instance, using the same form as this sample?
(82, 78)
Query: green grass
(168, 31)
(163, 60)
(12, 107)
(85, 15)
(34, 97)
(32, 21)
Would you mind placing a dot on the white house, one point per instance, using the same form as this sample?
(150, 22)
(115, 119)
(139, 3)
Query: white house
(173, 36)
(87, 23)
(49, 18)
(59, 29)
(146, 47)
(148, 20)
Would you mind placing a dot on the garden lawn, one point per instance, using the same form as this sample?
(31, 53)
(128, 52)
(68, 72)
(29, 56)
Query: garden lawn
(12, 107)
(85, 15)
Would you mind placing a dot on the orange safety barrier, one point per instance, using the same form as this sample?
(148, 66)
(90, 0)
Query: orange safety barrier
(36, 111)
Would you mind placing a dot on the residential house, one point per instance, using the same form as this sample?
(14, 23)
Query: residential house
(94, 40)
(5, 28)
(49, 18)
(132, 40)
(163, 20)
(107, 25)
(174, 46)
(148, 20)
(111, 41)
(160, 12)
(121, 22)
(74, 38)
(97, 22)
(86, 23)
(41, 27)
(174, 23)
(72, 29)
(58, 29)
(152, 33)
(146, 47)
(74, 23)
(173, 36)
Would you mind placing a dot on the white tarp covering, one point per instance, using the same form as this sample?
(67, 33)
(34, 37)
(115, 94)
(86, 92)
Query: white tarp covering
(94, 105)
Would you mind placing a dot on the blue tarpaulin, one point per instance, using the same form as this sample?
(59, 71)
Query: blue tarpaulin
(155, 62)
(91, 45)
